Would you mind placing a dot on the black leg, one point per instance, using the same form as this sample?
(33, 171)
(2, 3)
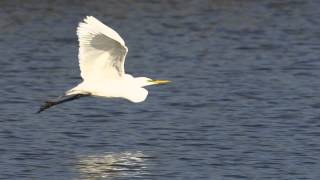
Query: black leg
(60, 100)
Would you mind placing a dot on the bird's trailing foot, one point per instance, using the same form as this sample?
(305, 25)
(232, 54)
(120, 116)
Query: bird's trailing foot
(46, 105)
(62, 99)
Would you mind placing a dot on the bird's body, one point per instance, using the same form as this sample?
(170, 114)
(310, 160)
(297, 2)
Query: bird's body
(125, 87)
(102, 55)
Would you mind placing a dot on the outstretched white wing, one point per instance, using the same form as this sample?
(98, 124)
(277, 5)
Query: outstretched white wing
(102, 51)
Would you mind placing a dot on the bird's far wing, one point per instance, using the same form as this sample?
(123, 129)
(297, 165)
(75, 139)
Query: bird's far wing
(102, 51)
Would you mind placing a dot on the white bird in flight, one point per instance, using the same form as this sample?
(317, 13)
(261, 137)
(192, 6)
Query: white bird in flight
(102, 54)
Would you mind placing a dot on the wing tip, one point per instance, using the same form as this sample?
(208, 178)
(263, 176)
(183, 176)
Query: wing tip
(84, 25)
(89, 19)
(91, 25)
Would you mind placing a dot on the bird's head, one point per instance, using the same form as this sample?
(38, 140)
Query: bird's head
(144, 81)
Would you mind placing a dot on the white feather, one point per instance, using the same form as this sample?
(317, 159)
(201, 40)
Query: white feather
(102, 51)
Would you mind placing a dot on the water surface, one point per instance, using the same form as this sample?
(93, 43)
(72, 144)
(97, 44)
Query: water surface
(244, 102)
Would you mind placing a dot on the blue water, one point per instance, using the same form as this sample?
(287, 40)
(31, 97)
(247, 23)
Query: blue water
(244, 102)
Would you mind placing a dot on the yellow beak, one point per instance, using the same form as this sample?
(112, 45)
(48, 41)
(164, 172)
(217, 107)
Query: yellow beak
(160, 81)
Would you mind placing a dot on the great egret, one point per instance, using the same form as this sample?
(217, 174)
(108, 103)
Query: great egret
(102, 54)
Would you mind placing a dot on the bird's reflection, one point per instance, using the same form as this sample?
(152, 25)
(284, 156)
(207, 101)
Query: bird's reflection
(112, 165)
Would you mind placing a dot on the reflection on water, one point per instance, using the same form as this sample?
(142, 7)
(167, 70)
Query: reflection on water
(112, 165)
(245, 102)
